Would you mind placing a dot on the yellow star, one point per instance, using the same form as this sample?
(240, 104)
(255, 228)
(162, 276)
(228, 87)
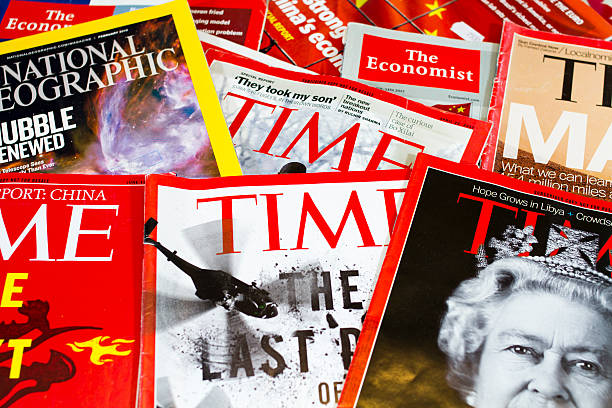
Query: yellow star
(461, 109)
(360, 3)
(437, 9)
(434, 32)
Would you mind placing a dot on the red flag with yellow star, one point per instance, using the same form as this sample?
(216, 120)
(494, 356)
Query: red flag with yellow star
(398, 14)
(453, 21)
(460, 108)
(478, 20)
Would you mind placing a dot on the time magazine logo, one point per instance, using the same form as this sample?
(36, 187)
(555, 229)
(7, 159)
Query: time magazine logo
(403, 62)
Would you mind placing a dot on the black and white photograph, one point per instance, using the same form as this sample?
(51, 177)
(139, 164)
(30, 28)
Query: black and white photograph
(496, 304)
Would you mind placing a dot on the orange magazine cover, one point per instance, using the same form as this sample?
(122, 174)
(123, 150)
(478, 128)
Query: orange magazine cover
(551, 112)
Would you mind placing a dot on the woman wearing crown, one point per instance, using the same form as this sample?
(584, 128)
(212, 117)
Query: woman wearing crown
(531, 332)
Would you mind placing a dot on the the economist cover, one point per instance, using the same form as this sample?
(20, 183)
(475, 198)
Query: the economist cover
(240, 21)
(20, 18)
(311, 33)
(448, 74)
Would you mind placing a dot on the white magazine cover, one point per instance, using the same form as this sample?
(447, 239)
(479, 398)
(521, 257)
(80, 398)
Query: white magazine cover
(449, 74)
(326, 123)
(260, 285)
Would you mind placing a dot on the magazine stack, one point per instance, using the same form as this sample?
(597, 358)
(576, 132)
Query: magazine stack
(285, 203)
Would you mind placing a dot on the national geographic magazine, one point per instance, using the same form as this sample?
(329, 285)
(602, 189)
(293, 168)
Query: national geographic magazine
(129, 93)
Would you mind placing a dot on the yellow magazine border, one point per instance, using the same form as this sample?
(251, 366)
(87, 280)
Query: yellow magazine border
(220, 139)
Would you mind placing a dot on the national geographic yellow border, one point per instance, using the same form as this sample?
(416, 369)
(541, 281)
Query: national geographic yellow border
(220, 139)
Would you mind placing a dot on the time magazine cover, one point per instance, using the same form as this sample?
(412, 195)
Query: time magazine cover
(129, 93)
(70, 280)
(452, 75)
(326, 123)
(551, 111)
(256, 286)
(499, 298)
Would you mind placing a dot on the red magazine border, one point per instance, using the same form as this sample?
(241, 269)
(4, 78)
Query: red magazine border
(153, 182)
(503, 63)
(382, 291)
(480, 129)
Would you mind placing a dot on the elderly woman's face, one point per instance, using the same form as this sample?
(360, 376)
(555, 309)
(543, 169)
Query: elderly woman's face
(544, 351)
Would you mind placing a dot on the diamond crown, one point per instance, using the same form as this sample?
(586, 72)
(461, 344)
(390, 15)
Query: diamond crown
(570, 252)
